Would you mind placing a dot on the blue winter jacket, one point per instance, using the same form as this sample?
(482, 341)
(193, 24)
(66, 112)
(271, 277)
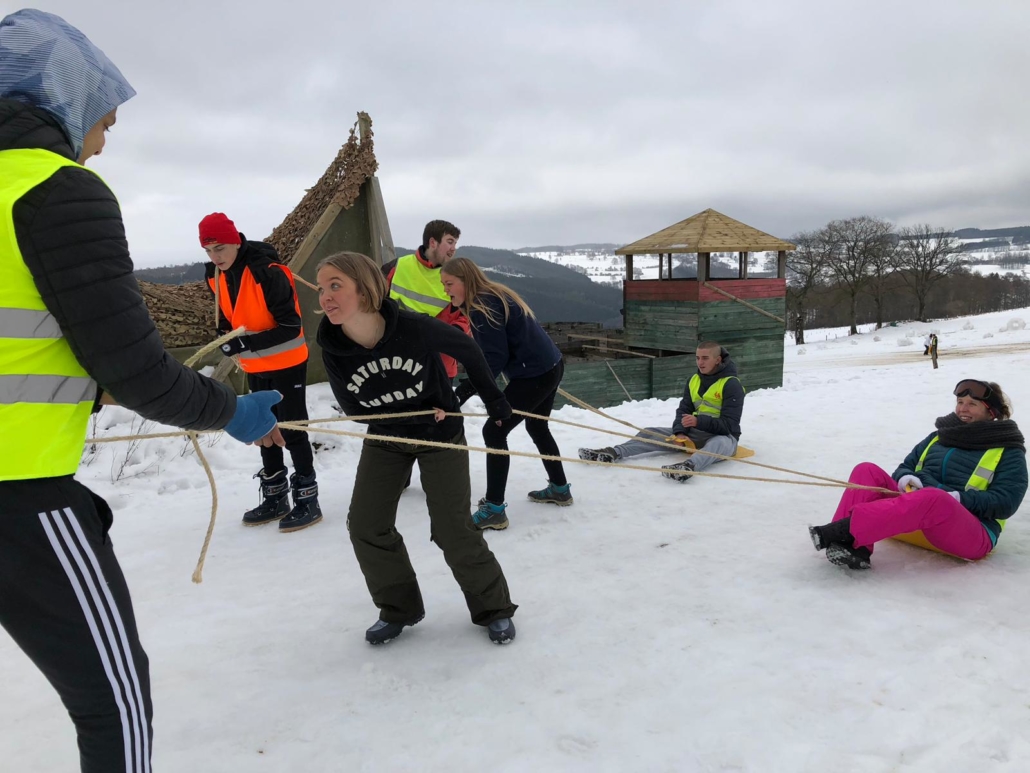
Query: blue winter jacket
(949, 468)
(519, 348)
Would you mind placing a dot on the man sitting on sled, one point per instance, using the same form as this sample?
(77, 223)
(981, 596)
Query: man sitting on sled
(708, 417)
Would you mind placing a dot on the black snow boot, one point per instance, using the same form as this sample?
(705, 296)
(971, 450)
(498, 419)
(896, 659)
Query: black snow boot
(848, 555)
(275, 503)
(837, 532)
(382, 631)
(306, 510)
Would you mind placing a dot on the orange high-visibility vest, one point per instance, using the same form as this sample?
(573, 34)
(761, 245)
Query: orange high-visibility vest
(251, 312)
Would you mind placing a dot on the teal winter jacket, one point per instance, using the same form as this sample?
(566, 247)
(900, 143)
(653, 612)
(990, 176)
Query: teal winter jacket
(949, 468)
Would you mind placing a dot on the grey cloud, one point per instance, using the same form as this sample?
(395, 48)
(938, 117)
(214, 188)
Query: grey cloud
(581, 121)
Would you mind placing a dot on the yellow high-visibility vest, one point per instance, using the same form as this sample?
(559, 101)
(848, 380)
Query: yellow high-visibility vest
(416, 287)
(709, 404)
(982, 475)
(45, 395)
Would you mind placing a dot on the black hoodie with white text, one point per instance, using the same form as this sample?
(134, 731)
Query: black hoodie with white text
(403, 373)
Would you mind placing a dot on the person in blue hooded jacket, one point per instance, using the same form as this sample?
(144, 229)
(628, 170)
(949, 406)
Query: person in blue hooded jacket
(515, 345)
(956, 488)
(75, 332)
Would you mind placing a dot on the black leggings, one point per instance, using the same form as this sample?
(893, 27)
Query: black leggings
(533, 395)
(292, 384)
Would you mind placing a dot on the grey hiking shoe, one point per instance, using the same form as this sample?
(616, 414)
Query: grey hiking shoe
(490, 516)
(553, 494)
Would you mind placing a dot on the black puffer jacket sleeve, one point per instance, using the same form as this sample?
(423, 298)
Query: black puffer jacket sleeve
(70, 233)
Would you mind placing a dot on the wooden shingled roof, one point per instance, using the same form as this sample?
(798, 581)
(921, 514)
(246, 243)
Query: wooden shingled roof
(707, 231)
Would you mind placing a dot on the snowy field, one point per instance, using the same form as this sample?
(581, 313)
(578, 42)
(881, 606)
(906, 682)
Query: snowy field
(662, 626)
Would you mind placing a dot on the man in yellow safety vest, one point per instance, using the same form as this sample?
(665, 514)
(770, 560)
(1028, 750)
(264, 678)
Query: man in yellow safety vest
(75, 332)
(708, 415)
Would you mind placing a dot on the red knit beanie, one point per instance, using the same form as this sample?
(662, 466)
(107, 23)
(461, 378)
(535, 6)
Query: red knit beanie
(216, 228)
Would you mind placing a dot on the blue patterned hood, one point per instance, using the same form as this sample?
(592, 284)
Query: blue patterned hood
(48, 63)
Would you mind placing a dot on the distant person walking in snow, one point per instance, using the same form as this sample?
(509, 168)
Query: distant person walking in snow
(514, 344)
(75, 334)
(384, 359)
(256, 291)
(708, 415)
(926, 344)
(958, 486)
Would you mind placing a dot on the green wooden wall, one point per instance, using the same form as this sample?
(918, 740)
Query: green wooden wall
(754, 340)
(661, 324)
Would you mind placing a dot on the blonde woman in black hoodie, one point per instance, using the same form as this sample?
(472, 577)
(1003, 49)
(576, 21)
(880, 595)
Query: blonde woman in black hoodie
(383, 359)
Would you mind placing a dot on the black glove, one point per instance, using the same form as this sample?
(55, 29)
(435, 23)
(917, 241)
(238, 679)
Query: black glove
(464, 391)
(498, 409)
(233, 346)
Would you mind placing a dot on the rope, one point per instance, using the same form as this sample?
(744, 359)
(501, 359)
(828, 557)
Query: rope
(198, 573)
(199, 354)
(743, 302)
(628, 395)
(551, 457)
(305, 426)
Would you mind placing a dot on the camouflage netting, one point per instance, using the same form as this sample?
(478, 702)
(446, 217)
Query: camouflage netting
(184, 314)
(341, 184)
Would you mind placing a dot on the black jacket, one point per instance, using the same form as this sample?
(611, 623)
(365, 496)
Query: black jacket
(70, 233)
(403, 373)
(518, 347)
(259, 257)
(728, 423)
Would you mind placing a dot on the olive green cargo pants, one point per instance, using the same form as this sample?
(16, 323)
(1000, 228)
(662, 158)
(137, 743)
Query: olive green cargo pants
(382, 471)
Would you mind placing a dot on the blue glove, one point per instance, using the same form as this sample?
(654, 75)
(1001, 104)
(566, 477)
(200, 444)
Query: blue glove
(254, 418)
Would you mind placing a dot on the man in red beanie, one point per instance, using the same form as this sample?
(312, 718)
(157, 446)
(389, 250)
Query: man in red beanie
(256, 292)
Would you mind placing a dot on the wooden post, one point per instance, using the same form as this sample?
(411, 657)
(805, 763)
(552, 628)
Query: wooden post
(629, 268)
(742, 257)
(781, 264)
(704, 265)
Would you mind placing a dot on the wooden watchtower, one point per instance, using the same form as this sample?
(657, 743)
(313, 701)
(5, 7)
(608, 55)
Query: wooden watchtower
(745, 315)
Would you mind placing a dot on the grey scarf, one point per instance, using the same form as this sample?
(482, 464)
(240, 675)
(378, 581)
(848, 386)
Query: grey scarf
(979, 435)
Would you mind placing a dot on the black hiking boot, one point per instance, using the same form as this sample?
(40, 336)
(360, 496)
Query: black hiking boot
(679, 472)
(306, 510)
(502, 631)
(382, 631)
(275, 503)
(848, 555)
(838, 532)
(598, 454)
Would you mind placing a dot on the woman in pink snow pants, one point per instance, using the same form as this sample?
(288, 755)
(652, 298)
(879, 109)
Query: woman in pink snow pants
(958, 486)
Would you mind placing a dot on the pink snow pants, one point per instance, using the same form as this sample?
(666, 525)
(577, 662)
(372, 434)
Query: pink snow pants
(945, 523)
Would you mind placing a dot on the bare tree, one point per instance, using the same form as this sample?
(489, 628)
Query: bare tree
(806, 268)
(927, 255)
(854, 243)
(883, 264)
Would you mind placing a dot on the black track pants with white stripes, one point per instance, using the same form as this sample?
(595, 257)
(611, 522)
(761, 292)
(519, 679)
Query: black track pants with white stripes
(64, 601)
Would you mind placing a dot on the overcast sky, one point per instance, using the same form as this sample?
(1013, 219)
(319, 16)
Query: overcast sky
(530, 123)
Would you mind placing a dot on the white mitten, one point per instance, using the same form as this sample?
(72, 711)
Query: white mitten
(909, 481)
(956, 495)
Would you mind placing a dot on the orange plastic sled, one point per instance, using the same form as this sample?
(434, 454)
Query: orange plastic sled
(689, 447)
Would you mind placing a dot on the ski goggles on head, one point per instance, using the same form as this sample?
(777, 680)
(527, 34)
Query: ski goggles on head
(978, 390)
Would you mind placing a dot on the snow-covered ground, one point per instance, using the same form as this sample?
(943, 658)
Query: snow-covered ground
(662, 627)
